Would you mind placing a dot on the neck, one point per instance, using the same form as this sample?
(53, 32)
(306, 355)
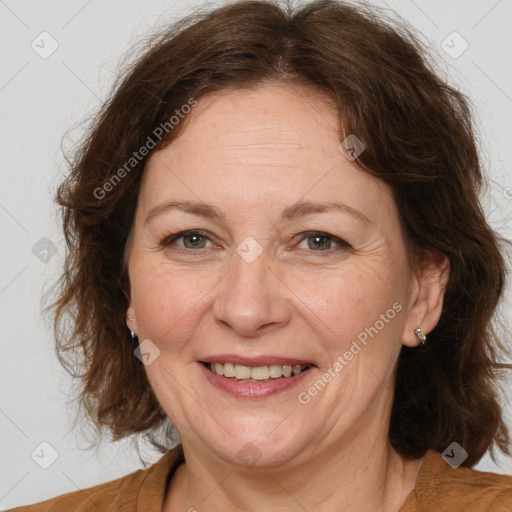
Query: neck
(361, 476)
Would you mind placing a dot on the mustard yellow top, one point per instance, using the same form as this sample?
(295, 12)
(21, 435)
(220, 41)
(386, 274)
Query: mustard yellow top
(439, 488)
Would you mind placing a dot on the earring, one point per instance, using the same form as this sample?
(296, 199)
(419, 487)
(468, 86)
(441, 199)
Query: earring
(420, 335)
(131, 332)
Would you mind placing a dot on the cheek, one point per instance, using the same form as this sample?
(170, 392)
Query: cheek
(167, 301)
(347, 305)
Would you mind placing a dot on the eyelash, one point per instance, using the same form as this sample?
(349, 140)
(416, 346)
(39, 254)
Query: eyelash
(172, 238)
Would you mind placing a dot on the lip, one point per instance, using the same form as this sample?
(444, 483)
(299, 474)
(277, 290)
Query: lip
(262, 389)
(254, 360)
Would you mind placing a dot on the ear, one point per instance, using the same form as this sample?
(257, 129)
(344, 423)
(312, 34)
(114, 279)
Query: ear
(427, 293)
(130, 319)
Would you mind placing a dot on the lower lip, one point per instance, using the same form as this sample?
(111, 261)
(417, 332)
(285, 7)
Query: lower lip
(262, 389)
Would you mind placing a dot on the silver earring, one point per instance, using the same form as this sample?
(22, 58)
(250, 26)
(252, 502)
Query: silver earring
(420, 335)
(131, 332)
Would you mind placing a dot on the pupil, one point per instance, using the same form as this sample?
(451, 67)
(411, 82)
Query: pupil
(317, 241)
(197, 239)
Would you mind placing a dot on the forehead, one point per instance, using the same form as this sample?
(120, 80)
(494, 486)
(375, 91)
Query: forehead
(262, 145)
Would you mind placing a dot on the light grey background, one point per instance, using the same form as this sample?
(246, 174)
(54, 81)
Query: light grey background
(42, 98)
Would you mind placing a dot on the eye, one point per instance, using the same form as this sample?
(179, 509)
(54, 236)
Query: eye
(192, 239)
(318, 241)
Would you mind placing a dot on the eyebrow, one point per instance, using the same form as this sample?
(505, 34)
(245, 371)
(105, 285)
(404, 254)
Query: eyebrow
(295, 211)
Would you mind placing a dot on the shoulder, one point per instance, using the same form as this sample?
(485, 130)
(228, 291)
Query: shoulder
(99, 497)
(441, 487)
(144, 486)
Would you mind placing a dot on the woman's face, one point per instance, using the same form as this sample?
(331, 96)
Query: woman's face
(273, 275)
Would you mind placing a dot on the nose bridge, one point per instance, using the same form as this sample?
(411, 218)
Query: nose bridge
(251, 296)
(250, 269)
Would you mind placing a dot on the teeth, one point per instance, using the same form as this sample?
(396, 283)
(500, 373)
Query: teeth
(240, 372)
(296, 369)
(260, 373)
(229, 370)
(276, 370)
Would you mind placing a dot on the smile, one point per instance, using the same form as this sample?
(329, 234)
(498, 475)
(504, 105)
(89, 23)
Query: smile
(253, 382)
(255, 373)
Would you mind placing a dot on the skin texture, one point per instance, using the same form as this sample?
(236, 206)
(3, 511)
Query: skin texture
(251, 153)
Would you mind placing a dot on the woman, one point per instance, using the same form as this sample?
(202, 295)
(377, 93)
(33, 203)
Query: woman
(276, 247)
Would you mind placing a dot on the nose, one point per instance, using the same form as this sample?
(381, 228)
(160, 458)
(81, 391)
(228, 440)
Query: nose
(252, 298)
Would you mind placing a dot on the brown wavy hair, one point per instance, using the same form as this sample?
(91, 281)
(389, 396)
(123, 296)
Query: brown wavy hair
(420, 140)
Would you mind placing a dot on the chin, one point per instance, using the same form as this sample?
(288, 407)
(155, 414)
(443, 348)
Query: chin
(259, 452)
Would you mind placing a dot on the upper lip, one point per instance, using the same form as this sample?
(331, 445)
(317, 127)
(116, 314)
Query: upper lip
(254, 360)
